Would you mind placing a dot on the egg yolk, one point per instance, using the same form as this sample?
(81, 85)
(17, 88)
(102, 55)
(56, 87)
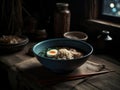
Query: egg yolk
(52, 53)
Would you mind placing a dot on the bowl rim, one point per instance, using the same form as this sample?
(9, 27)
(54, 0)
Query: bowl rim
(66, 34)
(86, 55)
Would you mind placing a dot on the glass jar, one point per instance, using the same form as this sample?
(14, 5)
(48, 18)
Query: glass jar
(61, 19)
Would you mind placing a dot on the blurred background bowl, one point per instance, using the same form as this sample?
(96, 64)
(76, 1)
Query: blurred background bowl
(8, 48)
(76, 35)
(62, 66)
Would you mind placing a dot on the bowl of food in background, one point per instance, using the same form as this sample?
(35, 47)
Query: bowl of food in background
(76, 35)
(12, 43)
(62, 55)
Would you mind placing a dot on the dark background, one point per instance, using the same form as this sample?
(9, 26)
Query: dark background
(41, 13)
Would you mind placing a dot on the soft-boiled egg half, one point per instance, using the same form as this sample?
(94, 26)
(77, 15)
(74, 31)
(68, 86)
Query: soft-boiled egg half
(52, 53)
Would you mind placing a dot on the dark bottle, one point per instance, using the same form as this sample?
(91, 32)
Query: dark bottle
(104, 41)
(61, 19)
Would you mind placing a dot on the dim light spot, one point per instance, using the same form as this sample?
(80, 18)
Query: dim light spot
(114, 10)
(118, 5)
(118, 13)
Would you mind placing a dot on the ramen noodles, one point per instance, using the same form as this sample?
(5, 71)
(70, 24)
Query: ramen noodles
(62, 53)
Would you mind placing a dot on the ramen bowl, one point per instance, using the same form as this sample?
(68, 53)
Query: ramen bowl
(61, 65)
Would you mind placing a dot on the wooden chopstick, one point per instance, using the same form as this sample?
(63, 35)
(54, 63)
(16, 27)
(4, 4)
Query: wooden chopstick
(69, 78)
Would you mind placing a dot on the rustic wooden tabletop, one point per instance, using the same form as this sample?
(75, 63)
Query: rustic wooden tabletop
(20, 79)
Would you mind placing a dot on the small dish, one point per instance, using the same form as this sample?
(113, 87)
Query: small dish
(76, 35)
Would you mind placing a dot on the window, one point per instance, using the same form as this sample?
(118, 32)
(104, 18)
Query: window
(109, 10)
(104, 11)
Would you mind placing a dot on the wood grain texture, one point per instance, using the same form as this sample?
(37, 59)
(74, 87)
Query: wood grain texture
(30, 68)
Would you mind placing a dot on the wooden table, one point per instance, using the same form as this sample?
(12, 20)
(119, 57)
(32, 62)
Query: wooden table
(19, 81)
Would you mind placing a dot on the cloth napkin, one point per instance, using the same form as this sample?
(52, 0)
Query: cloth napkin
(33, 70)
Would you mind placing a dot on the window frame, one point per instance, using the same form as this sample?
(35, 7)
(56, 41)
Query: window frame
(94, 13)
(106, 17)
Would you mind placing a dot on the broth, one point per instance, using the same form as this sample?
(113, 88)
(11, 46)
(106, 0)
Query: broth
(62, 53)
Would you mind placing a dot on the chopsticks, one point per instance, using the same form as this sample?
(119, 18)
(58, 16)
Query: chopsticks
(63, 78)
(84, 73)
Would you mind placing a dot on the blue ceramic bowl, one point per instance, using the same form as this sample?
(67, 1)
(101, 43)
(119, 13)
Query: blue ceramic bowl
(62, 66)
